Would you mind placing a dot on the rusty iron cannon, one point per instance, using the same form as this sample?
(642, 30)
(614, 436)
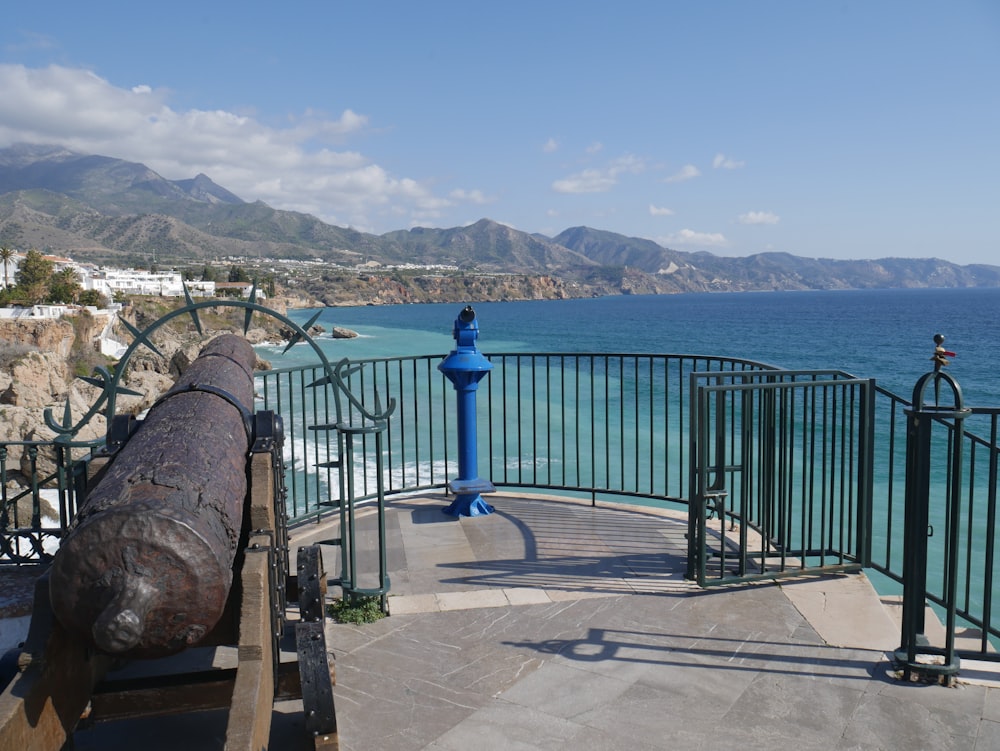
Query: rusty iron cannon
(146, 567)
(180, 546)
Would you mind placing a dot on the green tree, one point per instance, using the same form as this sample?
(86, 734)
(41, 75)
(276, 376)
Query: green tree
(65, 286)
(93, 297)
(33, 277)
(7, 255)
(208, 274)
(238, 274)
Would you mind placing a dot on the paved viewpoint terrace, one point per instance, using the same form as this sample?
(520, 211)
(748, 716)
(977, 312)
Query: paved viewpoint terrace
(554, 625)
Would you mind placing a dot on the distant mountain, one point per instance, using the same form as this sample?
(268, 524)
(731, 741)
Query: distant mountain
(100, 207)
(485, 245)
(111, 210)
(610, 249)
(109, 185)
(763, 271)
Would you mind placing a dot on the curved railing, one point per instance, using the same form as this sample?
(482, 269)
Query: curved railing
(605, 426)
(597, 424)
(614, 426)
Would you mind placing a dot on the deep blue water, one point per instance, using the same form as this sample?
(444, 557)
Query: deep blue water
(884, 334)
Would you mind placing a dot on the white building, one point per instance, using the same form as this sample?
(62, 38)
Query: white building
(109, 281)
(201, 289)
(36, 311)
(133, 282)
(238, 289)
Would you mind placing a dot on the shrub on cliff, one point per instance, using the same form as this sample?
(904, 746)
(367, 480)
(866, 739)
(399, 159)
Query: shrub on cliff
(83, 356)
(12, 352)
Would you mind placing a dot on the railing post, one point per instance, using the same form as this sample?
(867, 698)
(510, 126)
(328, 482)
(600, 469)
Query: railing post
(465, 367)
(3, 489)
(921, 418)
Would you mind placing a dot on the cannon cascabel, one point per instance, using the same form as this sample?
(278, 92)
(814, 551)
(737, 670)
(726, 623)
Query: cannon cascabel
(146, 567)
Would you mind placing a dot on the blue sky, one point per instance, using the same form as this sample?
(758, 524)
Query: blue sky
(850, 129)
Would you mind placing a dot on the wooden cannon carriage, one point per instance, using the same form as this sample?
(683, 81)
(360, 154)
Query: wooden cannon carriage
(179, 553)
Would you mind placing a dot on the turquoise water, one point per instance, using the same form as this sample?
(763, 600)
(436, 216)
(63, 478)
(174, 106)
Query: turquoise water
(883, 334)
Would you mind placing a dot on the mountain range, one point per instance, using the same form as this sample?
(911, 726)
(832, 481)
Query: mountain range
(108, 210)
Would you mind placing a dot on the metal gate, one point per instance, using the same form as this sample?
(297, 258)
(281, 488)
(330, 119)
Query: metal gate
(780, 474)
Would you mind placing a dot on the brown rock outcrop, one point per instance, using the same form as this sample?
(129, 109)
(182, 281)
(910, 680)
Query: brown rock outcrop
(28, 424)
(48, 335)
(34, 381)
(37, 379)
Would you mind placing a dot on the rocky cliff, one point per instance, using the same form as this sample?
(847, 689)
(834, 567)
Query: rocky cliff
(35, 375)
(45, 335)
(395, 289)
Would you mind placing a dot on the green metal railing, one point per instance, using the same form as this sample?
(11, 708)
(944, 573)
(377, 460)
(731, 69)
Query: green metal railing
(32, 524)
(619, 426)
(783, 459)
(601, 424)
(976, 500)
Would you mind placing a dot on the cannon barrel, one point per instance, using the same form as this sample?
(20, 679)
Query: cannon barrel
(146, 567)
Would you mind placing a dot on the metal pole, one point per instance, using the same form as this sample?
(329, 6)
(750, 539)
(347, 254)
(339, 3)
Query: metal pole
(921, 420)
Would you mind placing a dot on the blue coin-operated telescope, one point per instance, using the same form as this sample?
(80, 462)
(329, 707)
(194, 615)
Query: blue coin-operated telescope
(465, 367)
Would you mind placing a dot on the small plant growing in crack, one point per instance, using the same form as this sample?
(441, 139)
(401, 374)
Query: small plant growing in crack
(358, 610)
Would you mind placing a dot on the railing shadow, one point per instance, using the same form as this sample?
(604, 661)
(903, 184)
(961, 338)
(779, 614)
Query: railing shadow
(563, 546)
(665, 649)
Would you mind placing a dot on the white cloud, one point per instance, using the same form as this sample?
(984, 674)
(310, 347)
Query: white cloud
(599, 180)
(724, 162)
(587, 181)
(302, 167)
(687, 172)
(551, 145)
(595, 147)
(759, 217)
(628, 163)
(660, 211)
(469, 196)
(697, 239)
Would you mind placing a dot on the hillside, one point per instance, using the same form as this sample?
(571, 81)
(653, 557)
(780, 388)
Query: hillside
(484, 245)
(106, 210)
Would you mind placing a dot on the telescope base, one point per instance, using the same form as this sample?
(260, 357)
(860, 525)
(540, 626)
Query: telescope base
(468, 499)
(468, 505)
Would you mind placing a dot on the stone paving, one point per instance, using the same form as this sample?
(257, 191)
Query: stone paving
(554, 625)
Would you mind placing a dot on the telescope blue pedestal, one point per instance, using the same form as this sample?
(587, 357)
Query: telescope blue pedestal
(465, 367)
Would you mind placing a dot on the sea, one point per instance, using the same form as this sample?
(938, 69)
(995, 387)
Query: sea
(883, 334)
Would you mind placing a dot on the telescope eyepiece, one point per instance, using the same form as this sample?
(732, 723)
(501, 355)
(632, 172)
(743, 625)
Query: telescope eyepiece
(468, 315)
